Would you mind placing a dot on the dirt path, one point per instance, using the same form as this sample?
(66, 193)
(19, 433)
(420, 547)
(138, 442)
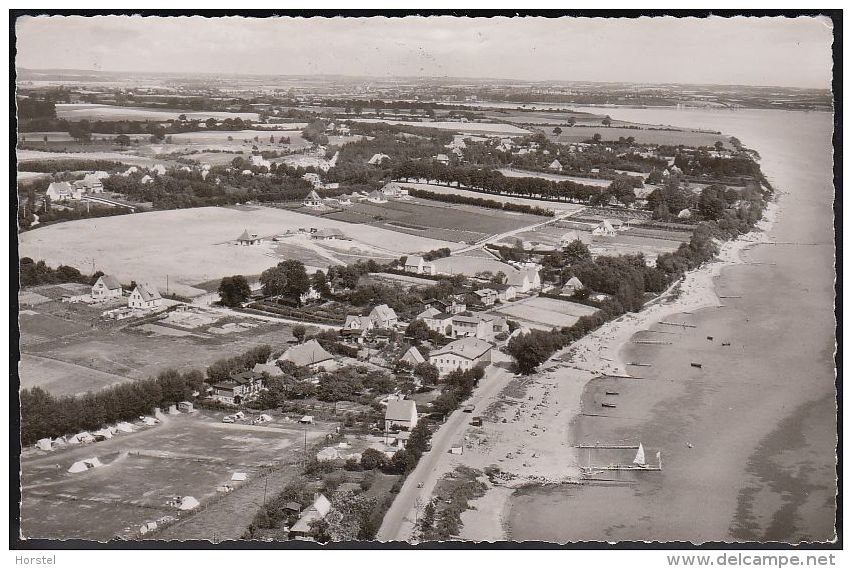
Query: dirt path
(501, 236)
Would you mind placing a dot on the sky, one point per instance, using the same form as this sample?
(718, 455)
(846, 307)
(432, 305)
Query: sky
(787, 52)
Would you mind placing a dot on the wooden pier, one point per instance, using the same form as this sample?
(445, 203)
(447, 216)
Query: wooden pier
(678, 324)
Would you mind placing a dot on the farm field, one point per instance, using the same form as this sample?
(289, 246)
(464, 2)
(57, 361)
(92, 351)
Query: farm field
(72, 356)
(450, 222)
(200, 243)
(472, 127)
(545, 313)
(510, 173)
(642, 136)
(129, 159)
(186, 455)
(93, 112)
(635, 240)
(558, 207)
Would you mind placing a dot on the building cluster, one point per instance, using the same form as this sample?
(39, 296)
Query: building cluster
(314, 201)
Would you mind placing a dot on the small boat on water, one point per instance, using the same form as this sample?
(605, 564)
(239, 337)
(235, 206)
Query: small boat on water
(640, 457)
(608, 405)
(693, 364)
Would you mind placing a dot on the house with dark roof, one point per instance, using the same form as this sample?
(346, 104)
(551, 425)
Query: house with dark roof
(383, 316)
(105, 288)
(312, 200)
(311, 355)
(247, 239)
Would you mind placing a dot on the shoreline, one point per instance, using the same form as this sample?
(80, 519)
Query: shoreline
(547, 457)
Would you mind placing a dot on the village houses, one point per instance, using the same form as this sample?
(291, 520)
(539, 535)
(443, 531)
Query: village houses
(384, 316)
(144, 296)
(417, 265)
(310, 355)
(400, 413)
(105, 288)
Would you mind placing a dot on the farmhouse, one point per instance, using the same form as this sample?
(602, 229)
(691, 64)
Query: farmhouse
(376, 197)
(412, 356)
(556, 166)
(393, 190)
(384, 316)
(572, 286)
(440, 322)
(312, 178)
(524, 280)
(463, 354)
(417, 265)
(329, 233)
(247, 239)
(270, 369)
(310, 355)
(450, 305)
(106, 287)
(312, 200)
(250, 381)
(358, 323)
(401, 413)
(229, 392)
(604, 228)
(63, 191)
(442, 159)
(144, 296)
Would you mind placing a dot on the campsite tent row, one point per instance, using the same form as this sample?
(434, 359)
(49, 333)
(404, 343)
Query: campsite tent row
(85, 437)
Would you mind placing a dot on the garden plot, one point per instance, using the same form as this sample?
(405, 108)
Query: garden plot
(186, 455)
(545, 313)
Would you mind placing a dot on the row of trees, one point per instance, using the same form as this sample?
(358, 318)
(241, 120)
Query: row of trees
(38, 273)
(481, 202)
(45, 415)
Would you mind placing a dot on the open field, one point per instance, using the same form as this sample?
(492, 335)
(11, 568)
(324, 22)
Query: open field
(545, 313)
(200, 243)
(472, 127)
(93, 112)
(511, 173)
(80, 353)
(186, 455)
(130, 159)
(427, 218)
(642, 136)
(558, 207)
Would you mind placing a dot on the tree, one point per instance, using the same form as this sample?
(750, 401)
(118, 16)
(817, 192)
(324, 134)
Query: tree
(319, 281)
(299, 332)
(426, 372)
(418, 330)
(80, 131)
(372, 459)
(557, 131)
(234, 290)
(606, 121)
(287, 278)
(576, 252)
(122, 140)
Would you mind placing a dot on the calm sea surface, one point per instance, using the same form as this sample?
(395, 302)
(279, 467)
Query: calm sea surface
(748, 440)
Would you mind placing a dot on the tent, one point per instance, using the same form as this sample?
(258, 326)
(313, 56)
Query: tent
(265, 418)
(238, 476)
(105, 433)
(149, 420)
(148, 526)
(84, 465)
(188, 503)
(124, 427)
(43, 444)
(84, 437)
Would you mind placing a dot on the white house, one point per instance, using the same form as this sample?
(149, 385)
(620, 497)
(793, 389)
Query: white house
(63, 191)
(412, 356)
(574, 235)
(312, 200)
(487, 296)
(505, 292)
(146, 179)
(158, 169)
(556, 166)
(463, 354)
(317, 511)
(479, 326)
(524, 280)
(573, 285)
(442, 158)
(106, 287)
(383, 316)
(313, 178)
(144, 296)
(358, 323)
(419, 266)
(604, 229)
(401, 413)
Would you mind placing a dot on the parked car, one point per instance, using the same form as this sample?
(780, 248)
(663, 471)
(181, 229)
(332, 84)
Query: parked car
(227, 419)
(468, 409)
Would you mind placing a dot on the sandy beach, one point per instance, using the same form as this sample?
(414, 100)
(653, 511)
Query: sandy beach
(740, 437)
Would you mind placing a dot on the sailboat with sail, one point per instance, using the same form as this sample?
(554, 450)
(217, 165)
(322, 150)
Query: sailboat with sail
(640, 457)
